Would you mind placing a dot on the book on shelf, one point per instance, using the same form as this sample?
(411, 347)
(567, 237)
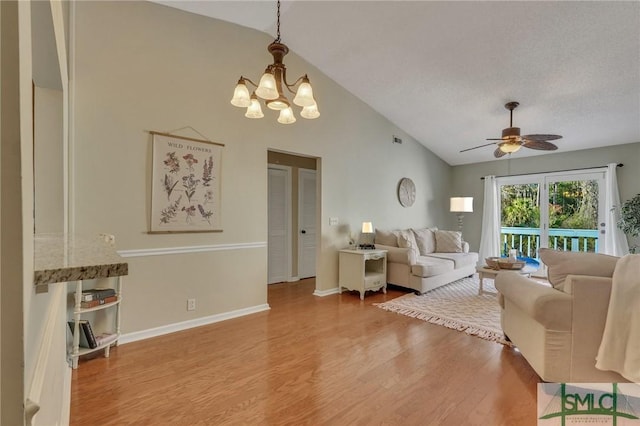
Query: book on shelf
(104, 339)
(91, 339)
(87, 339)
(97, 294)
(98, 302)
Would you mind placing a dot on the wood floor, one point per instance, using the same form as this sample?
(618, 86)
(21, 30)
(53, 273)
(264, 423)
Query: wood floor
(310, 360)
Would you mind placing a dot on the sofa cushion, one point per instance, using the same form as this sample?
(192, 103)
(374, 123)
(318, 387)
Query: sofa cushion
(427, 266)
(408, 241)
(460, 260)
(563, 263)
(386, 237)
(426, 240)
(448, 242)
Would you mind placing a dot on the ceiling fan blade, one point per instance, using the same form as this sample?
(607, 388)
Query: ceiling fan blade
(495, 139)
(499, 153)
(542, 137)
(541, 145)
(479, 146)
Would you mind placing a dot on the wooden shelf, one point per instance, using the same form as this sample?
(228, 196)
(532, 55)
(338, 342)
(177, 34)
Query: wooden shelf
(105, 346)
(78, 312)
(96, 308)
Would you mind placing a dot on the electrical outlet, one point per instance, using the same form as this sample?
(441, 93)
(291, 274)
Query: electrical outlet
(333, 221)
(191, 304)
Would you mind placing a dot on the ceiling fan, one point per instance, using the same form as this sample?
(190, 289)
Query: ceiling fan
(511, 141)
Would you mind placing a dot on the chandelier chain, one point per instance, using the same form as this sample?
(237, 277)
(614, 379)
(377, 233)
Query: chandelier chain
(278, 37)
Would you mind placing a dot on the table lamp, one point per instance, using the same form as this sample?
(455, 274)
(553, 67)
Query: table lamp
(367, 229)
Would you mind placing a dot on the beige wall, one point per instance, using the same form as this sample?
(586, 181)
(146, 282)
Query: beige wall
(139, 67)
(466, 179)
(12, 219)
(48, 161)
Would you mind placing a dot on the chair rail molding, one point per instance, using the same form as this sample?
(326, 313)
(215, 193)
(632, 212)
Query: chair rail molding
(190, 249)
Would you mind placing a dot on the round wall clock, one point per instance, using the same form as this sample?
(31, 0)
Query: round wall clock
(406, 192)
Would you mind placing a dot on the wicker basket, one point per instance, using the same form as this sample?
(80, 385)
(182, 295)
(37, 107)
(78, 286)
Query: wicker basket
(504, 263)
(492, 262)
(510, 264)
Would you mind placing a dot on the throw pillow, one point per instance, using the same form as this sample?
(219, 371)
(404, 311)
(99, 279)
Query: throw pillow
(563, 263)
(448, 242)
(426, 240)
(386, 238)
(407, 240)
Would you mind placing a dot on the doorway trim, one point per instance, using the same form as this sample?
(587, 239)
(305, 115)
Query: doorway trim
(302, 171)
(306, 161)
(288, 220)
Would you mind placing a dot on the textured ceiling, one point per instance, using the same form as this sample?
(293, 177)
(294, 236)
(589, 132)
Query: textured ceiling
(442, 71)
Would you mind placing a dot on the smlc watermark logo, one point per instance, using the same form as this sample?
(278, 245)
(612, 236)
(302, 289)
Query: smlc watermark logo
(588, 404)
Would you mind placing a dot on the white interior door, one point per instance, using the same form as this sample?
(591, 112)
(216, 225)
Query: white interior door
(307, 205)
(279, 223)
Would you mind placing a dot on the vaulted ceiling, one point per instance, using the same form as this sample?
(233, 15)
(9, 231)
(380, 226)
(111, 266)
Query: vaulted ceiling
(443, 70)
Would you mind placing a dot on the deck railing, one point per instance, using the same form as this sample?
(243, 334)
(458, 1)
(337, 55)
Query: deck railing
(527, 240)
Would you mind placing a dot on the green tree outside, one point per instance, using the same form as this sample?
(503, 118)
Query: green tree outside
(572, 205)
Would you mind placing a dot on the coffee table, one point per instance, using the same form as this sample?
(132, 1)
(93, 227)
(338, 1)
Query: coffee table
(486, 272)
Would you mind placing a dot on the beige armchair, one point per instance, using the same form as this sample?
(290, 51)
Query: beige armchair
(558, 329)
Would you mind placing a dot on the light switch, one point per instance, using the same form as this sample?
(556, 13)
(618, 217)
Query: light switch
(333, 221)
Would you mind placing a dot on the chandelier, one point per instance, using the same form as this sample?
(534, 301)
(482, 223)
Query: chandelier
(271, 89)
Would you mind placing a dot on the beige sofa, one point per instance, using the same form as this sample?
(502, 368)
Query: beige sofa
(558, 328)
(426, 258)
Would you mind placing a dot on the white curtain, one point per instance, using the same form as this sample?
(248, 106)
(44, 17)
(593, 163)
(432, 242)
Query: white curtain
(490, 239)
(615, 242)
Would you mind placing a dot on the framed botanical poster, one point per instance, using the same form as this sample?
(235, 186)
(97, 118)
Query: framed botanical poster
(185, 188)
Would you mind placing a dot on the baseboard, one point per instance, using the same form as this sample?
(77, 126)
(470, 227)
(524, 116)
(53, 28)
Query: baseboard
(323, 293)
(185, 325)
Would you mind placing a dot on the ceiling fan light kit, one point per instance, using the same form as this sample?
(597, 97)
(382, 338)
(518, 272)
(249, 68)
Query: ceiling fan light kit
(509, 147)
(271, 89)
(511, 141)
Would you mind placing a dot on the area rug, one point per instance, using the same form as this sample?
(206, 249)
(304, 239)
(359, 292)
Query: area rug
(457, 306)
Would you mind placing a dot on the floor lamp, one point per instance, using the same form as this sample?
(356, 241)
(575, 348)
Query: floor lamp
(461, 205)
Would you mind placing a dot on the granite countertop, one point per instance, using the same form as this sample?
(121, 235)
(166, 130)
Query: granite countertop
(61, 258)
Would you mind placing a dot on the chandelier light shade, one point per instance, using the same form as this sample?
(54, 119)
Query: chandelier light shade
(310, 112)
(254, 110)
(271, 89)
(267, 86)
(241, 96)
(286, 116)
(304, 95)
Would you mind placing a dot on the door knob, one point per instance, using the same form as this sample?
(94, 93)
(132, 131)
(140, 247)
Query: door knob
(303, 232)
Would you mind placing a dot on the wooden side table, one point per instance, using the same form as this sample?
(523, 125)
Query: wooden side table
(486, 272)
(363, 270)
